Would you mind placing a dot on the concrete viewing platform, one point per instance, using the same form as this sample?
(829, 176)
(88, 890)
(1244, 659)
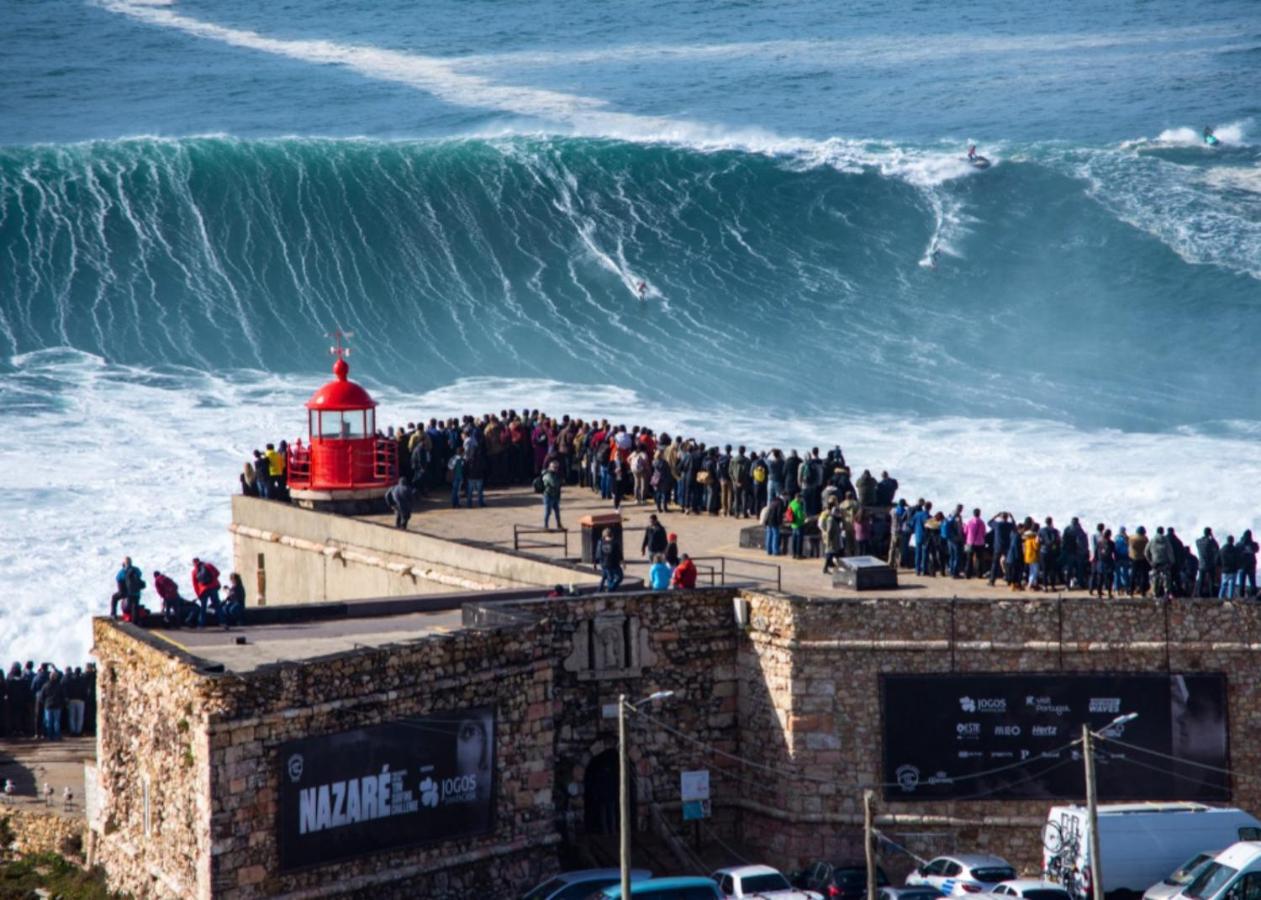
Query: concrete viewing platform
(703, 537)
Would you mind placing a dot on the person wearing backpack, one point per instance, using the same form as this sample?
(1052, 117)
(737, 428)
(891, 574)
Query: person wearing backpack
(206, 588)
(552, 482)
(795, 518)
(475, 469)
(640, 468)
(399, 498)
(758, 474)
(130, 585)
(833, 532)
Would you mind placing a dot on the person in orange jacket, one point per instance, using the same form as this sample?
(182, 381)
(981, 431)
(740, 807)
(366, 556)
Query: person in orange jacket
(206, 587)
(684, 574)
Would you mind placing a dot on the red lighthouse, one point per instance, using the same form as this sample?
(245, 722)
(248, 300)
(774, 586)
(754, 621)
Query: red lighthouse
(344, 467)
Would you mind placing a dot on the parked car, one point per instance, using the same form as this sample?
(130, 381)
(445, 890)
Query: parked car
(582, 883)
(1234, 874)
(846, 880)
(1139, 841)
(1028, 889)
(687, 888)
(1180, 877)
(759, 881)
(964, 873)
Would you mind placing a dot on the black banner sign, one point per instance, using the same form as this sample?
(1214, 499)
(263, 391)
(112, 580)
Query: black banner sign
(408, 782)
(975, 737)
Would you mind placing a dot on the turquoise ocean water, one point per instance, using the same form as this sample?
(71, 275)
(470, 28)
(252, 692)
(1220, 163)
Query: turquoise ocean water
(193, 193)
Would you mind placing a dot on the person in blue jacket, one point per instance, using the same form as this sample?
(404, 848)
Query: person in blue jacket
(130, 583)
(922, 515)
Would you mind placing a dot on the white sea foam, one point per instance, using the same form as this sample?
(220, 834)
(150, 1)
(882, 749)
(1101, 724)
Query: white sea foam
(864, 50)
(103, 460)
(1197, 212)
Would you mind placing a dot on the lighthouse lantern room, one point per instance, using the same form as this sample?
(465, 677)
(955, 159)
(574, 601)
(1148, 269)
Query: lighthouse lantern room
(344, 466)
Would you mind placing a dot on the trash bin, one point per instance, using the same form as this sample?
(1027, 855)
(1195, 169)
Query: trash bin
(593, 527)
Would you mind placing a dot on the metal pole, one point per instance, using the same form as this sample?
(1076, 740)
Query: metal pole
(869, 844)
(623, 795)
(1096, 860)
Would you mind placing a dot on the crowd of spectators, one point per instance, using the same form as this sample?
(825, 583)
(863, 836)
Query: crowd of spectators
(46, 702)
(811, 503)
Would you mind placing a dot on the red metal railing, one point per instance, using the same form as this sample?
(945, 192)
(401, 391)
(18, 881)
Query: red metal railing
(343, 465)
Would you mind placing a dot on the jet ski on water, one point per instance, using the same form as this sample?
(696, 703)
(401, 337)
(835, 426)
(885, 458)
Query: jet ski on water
(1209, 137)
(977, 161)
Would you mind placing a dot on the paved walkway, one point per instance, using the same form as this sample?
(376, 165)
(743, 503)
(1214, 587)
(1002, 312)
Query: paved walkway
(700, 536)
(30, 764)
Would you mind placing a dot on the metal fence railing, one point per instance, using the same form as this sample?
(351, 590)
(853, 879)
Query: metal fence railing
(531, 542)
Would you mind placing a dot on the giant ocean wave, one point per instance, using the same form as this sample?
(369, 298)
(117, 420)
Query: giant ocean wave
(1092, 286)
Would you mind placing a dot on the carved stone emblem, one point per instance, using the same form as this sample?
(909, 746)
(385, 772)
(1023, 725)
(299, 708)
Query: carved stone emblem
(611, 645)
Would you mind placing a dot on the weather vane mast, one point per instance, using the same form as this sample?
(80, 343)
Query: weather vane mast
(338, 349)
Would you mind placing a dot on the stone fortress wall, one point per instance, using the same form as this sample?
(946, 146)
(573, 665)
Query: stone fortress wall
(795, 690)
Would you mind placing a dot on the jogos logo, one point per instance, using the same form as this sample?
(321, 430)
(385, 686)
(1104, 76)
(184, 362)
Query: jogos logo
(983, 704)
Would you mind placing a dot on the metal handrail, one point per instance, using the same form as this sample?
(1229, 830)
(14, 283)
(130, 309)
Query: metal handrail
(518, 530)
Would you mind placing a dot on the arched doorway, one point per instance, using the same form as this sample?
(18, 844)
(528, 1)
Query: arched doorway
(599, 789)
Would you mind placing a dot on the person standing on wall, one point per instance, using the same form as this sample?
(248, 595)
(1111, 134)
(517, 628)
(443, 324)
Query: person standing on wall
(130, 583)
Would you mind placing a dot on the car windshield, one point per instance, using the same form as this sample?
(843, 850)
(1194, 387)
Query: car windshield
(546, 889)
(994, 874)
(1210, 881)
(1188, 871)
(1046, 894)
(771, 881)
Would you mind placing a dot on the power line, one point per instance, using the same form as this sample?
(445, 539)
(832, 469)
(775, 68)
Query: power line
(1177, 759)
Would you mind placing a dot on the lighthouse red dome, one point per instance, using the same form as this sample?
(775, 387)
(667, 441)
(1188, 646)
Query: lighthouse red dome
(341, 393)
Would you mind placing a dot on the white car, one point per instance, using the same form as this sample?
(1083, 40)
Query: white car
(1180, 877)
(759, 881)
(963, 873)
(1028, 889)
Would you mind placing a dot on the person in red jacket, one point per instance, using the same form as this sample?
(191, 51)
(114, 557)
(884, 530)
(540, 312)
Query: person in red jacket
(684, 574)
(169, 591)
(206, 587)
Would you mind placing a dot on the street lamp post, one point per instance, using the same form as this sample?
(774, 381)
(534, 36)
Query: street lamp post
(623, 783)
(1092, 798)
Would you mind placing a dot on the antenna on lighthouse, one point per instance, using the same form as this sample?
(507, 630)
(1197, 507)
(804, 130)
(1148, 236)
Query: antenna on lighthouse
(338, 349)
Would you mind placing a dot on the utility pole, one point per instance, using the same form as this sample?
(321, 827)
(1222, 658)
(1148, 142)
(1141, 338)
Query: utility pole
(869, 843)
(1092, 808)
(623, 795)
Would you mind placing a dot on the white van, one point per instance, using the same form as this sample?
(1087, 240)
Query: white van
(1140, 842)
(1234, 874)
